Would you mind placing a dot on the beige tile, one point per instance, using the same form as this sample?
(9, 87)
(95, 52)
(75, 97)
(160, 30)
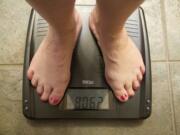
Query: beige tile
(175, 76)
(153, 15)
(13, 25)
(11, 82)
(13, 122)
(172, 9)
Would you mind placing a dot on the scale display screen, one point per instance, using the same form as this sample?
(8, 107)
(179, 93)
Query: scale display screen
(87, 100)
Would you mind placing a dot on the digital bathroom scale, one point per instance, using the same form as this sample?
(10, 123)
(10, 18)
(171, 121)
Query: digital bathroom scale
(88, 95)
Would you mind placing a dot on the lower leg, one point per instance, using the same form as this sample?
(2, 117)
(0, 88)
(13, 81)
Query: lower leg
(124, 66)
(112, 14)
(49, 70)
(58, 13)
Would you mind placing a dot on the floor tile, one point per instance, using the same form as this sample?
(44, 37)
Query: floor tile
(12, 121)
(13, 26)
(153, 16)
(11, 82)
(172, 10)
(175, 76)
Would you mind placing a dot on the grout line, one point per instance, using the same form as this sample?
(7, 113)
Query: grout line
(171, 94)
(172, 98)
(11, 64)
(165, 61)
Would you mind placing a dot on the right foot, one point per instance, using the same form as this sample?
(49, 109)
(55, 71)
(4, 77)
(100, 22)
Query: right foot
(49, 70)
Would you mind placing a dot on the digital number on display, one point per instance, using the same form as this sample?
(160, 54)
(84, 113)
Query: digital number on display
(87, 102)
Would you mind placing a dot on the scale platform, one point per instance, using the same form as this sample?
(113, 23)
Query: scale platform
(88, 95)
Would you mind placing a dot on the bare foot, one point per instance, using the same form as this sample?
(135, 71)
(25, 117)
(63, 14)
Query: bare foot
(49, 70)
(124, 67)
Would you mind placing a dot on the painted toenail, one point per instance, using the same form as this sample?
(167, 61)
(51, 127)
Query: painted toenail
(122, 97)
(55, 100)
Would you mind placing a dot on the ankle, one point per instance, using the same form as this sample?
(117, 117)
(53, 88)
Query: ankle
(105, 28)
(68, 26)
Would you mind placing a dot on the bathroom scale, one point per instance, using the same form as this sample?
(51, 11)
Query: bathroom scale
(88, 95)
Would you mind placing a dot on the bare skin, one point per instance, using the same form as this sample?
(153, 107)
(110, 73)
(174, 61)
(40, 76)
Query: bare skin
(49, 70)
(124, 67)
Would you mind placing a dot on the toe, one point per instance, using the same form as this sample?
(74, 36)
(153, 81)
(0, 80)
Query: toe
(121, 95)
(34, 81)
(56, 96)
(128, 88)
(40, 89)
(130, 92)
(139, 76)
(30, 73)
(143, 70)
(46, 93)
(136, 85)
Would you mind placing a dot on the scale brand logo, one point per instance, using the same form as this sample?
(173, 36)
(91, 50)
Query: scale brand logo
(87, 82)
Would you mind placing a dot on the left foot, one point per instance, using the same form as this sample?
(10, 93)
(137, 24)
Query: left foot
(124, 67)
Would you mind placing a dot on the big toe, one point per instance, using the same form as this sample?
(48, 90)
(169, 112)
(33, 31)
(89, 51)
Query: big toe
(121, 95)
(56, 96)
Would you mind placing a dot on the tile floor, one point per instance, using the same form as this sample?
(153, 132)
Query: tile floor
(163, 20)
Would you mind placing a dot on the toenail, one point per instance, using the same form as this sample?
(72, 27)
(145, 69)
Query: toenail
(122, 97)
(54, 100)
